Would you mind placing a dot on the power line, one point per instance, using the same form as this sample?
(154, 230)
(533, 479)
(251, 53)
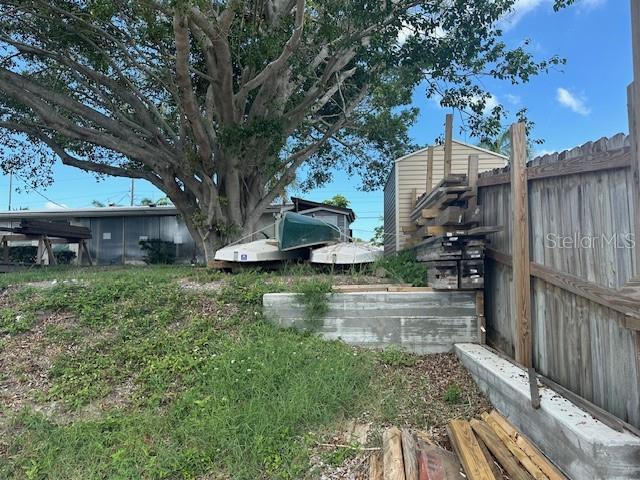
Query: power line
(39, 193)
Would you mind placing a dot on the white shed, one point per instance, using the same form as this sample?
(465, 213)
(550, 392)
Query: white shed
(408, 179)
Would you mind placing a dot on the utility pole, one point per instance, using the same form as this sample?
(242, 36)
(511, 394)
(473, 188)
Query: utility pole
(132, 180)
(10, 188)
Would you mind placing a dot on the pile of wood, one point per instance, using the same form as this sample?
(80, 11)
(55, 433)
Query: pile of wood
(487, 449)
(447, 233)
(492, 448)
(406, 456)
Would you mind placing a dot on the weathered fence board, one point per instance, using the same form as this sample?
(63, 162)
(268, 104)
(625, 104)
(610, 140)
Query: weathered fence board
(581, 224)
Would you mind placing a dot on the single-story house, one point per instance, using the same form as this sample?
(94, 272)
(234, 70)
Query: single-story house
(408, 178)
(117, 231)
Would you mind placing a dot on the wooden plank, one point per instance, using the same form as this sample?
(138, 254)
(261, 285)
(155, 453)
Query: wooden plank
(520, 244)
(409, 455)
(634, 133)
(429, 185)
(448, 143)
(607, 297)
(516, 451)
(472, 178)
(378, 287)
(392, 463)
(375, 467)
(499, 450)
(482, 321)
(548, 468)
(593, 162)
(497, 473)
(466, 446)
(430, 212)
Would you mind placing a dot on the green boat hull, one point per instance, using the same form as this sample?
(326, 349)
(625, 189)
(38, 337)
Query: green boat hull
(298, 231)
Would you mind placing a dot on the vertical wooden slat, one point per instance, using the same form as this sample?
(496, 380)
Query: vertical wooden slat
(633, 98)
(472, 179)
(429, 185)
(520, 244)
(448, 146)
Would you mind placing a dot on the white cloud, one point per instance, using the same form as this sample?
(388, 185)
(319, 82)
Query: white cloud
(518, 11)
(523, 7)
(513, 99)
(492, 102)
(408, 31)
(54, 206)
(572, 101)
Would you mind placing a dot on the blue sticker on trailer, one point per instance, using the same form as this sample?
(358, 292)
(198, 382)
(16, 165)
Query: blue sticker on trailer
(243, 257)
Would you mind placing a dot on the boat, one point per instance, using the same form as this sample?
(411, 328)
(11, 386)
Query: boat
(298, 231)
(345, 253)
(265, 250)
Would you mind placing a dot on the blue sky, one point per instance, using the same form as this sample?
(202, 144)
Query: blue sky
(582, 101)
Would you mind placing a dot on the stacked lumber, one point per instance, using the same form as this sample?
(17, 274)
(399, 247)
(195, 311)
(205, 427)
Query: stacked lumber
(406, 456)
(447, 234)
(491, 448)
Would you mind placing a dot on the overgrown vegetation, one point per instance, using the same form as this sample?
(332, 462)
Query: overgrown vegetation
(404, 268)
(314, 295)
(151, 380)
(158, 252)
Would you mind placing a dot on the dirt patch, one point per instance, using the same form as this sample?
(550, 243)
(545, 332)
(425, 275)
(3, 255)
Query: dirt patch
(190, 285)
(26, 360)
(431, 393)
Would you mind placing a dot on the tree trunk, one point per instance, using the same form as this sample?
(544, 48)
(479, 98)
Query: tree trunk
(209, 246)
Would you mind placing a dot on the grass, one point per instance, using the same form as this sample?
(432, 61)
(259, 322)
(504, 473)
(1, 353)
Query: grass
(151, 380)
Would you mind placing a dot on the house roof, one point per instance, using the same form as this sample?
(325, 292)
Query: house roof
(135, 211)
(459, 142)
(302, 205)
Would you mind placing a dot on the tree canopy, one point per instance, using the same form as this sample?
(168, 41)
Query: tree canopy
(220, 103)
(338, 201)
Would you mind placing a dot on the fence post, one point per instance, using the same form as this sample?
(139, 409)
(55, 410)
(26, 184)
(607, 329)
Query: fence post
(472, 179)
(520, 244)
(448, 146)
(429, 185)
(634, 125)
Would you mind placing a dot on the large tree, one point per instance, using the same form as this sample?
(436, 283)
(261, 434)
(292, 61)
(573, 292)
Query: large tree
(220, 103)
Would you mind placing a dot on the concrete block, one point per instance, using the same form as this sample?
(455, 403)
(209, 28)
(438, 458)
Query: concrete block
(419, 322)
(581, 446)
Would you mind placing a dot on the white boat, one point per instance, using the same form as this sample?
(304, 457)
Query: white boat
(265, 250)
(346, 254)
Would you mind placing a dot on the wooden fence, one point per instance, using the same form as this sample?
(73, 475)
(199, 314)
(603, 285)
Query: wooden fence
(582, 331)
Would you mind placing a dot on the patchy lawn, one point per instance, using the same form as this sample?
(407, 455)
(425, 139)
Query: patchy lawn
(172, 373)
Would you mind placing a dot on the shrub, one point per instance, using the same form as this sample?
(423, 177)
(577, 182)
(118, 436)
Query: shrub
(404, 268)
(64, 257)
(158, 251)
(23, 254)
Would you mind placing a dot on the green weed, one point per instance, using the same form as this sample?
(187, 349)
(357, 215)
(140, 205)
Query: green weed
(314, 295)
(404, 268)
(395, 356)
(453, 394)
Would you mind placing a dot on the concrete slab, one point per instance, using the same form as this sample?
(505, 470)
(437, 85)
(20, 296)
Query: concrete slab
(420, 322)
(581, 446)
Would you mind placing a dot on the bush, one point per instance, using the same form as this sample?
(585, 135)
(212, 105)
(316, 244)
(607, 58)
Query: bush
(394, 356)
(404, 268)
(23, 254)
(64, 257)
(158, 251)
